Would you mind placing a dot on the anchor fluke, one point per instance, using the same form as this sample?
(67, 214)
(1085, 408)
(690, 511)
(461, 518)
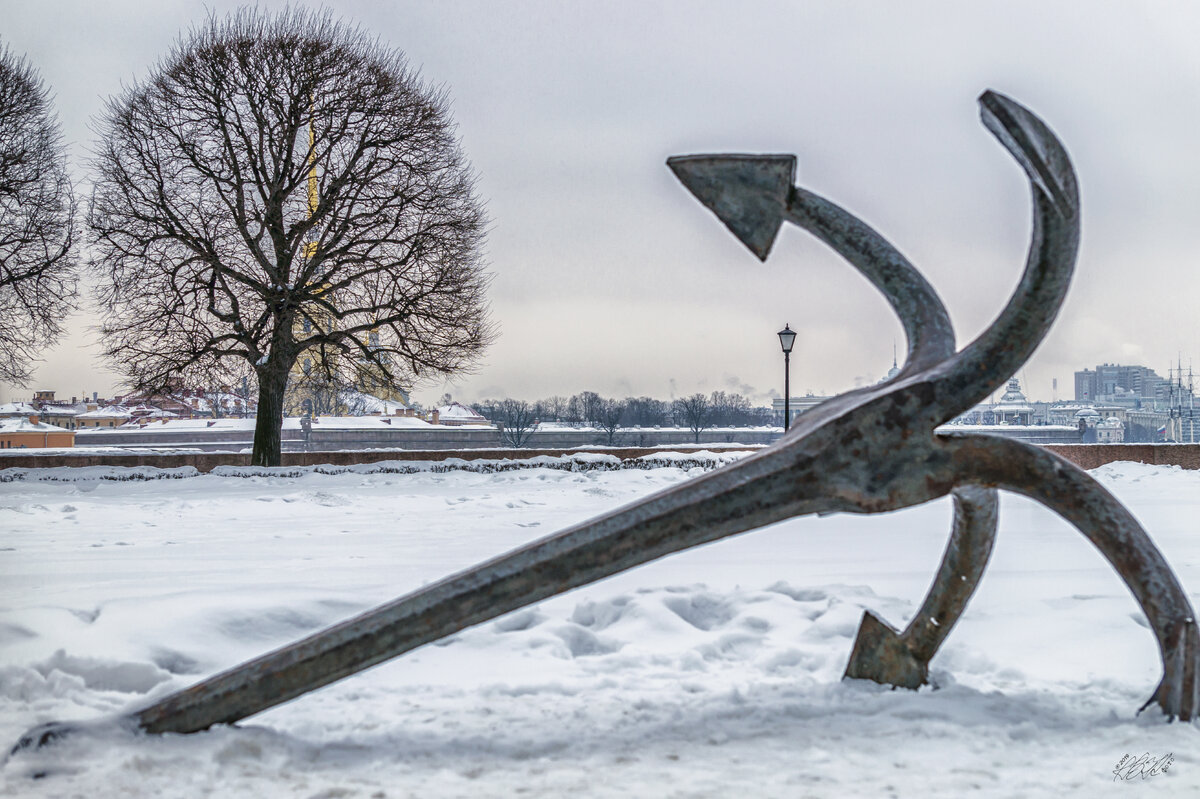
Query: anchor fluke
(1036, 149)
(882, 654)
(887, 656)
(748, 193)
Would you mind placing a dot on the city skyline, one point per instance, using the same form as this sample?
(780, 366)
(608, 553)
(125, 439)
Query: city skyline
(609, 277)
(1178, 383)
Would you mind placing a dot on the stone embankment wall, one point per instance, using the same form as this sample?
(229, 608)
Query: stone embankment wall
(207, 461)
(1087, 456)
(444, 437)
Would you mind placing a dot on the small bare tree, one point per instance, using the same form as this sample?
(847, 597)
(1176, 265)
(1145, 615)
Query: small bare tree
(283, 184)
(38, 276)
(729, 410)
(551, 409)
(516, 418)
(695, 412)
(609, 413)
(645, 411)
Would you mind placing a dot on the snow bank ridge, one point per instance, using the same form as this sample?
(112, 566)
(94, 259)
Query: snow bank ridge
(578, 462)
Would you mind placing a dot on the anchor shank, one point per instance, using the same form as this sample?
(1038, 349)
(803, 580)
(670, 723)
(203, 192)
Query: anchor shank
(708, 508)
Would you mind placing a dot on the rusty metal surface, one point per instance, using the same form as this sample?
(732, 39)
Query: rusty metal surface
(865, 451)
(902, 659)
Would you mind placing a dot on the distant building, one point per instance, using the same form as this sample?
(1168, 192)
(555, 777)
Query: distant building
(61, 414)
(30, 432)
(11, 410)
(456, 414)
(796, 406)
(1111, 380)
(1013, 408)
(108, 416)
(1110, 431)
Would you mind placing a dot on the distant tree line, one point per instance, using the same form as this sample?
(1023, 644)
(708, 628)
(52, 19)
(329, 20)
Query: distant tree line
(698, 412)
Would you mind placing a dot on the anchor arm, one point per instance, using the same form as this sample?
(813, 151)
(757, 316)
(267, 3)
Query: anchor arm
(1069, 491)
(927, 326)
(753, 195)
(988, 361)
(886, 656)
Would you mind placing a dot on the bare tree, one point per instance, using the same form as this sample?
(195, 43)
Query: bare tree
(216, 398)
(515, 418)
(573, 412)
(585, 407)
(609, 413)
(695, 412)
(729, 410)
(243, 385)
(38, 275)
(551, 409)
(315, 393)
(645, 411)
(284, 184)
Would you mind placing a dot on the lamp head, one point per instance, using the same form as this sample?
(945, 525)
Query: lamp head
(787, 337)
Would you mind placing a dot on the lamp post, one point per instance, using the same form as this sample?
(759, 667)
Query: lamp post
(787, 337)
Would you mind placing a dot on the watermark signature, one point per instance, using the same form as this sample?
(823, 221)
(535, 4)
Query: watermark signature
(1145, 766)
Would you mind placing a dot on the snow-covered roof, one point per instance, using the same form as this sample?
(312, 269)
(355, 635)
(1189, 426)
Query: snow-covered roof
(107, 412)
(222, 399)
(21, 424)
(1009, 428)
(456, 410)
(150, 412)
(361, 423)
(17, 409)
(289, 423)
(59, 410)
(373, 404)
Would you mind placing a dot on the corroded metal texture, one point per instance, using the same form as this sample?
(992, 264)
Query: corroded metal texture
(902, 659)
(865, 451)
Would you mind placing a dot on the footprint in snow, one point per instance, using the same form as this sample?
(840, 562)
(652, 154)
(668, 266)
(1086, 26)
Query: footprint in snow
(598, 615)
(329, 500)
(582, 642)
(702, 611)
(85, 616)
(519, 620)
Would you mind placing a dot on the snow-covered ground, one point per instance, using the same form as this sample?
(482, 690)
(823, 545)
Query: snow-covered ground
(714, 672)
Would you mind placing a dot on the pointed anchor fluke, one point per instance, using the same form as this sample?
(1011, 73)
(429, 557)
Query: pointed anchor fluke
(748, 193)
(1036, 149)
(883, 654)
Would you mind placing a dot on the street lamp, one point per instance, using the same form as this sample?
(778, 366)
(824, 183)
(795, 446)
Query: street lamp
(787, 337)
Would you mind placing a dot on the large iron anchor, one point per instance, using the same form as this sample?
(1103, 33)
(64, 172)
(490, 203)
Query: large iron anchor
(866, 451)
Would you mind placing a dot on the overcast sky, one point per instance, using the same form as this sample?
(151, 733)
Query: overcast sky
(610, 277)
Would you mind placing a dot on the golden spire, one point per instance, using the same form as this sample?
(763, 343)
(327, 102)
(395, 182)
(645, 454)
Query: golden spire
(310, 247)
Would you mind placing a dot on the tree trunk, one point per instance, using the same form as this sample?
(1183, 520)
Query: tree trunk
(268, 425)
